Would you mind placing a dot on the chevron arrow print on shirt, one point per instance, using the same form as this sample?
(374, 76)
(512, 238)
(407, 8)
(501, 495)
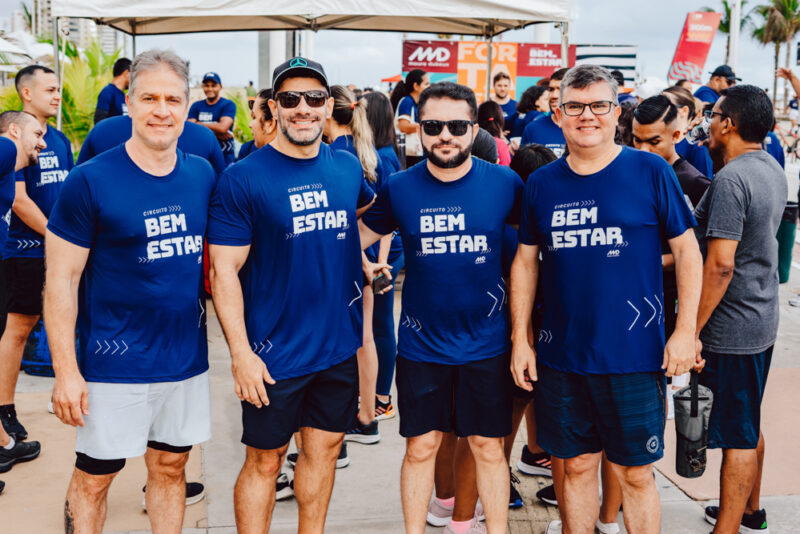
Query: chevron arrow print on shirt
(28, 243)
(262, 347)
(498, 299)
(360, 294)
(412, 323)
(657, 313)
(200, 320)
(142, 259)
(116, 347)
(545, 336)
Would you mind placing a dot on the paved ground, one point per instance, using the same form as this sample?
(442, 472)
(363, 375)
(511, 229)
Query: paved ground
(366, 495)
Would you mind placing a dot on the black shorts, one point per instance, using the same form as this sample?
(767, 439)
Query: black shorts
(327, 400)
(472, 399)
(24, 281)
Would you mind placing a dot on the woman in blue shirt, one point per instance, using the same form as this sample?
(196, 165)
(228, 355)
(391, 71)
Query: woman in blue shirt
(404, 101)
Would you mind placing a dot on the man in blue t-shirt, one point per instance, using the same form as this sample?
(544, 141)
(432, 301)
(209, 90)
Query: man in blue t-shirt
(721, 78)
(501, 83)
(216, 114)
(601, 355)
(545, 130)
(293, 325)
(37, 188)
(125, 250)
(452, 364)
(111, 100)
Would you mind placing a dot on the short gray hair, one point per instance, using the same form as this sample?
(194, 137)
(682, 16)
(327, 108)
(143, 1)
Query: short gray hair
(583, 76)
(152, 59)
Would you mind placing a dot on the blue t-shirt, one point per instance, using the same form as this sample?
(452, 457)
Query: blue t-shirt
(141, 313)
(407, 108)
(195, 139)
(774, 148)
(390, 164)
(112, 99)
(302, 289)
(8, 160)
(202, 112)
(522, 120)
(697, 155)
(454, 295)
(246, 149)
(600, 239)
(43, 184)
(509, 114)
(706, 94)
(544, 131)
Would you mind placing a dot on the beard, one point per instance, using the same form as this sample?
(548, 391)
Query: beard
(450, 163)
(33, 159)
(284, 125)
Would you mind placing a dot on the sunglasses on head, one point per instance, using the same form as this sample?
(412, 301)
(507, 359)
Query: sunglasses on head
(291, 99)
(456, 128)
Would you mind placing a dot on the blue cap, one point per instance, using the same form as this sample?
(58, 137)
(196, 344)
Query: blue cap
(213, 76)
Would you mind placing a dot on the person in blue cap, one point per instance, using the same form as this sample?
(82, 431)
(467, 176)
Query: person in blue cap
(216, 113)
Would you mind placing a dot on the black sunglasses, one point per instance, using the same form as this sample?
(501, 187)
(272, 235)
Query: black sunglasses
(291, 99)
(709, 114)
(456, 128)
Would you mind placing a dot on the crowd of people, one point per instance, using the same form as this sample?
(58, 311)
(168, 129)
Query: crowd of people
(568, 259)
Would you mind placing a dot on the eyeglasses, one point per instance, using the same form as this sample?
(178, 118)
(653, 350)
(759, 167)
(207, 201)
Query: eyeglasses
(291, 99)
(456, 128)
(574, 109)
(709, 114)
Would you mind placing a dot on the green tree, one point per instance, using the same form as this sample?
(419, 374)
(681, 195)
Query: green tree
(725, 22)
(766, 34)
(781, 23)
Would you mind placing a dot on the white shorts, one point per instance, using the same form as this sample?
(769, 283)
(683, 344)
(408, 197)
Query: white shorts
(124, 417)
(793, 113)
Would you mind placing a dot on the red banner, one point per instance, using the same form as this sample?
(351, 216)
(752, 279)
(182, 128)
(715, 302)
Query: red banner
(693, 46)
(430, 56)
(541, 60)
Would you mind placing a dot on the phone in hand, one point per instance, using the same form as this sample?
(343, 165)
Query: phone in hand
(379, 283)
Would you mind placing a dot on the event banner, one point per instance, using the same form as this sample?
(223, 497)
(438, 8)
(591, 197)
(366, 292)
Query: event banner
(693, 46)
(465, 62)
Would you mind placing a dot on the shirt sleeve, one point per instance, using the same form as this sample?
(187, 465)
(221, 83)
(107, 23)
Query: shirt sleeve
(527, 134)
(87, 149)
(229, 110)
(8, 157)
(380, 216)
(194, 111)
(528, 234)
(74, 216)
(70, 156)
(104, 99)
(674, 214)
(365, 193)
(230, 220)
(702, 161)
(19, 176)
(215, 156)
(727, 209)
(405, 109)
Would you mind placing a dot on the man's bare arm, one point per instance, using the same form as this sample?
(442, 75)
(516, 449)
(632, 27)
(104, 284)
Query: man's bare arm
(524, 275)
(27, 210)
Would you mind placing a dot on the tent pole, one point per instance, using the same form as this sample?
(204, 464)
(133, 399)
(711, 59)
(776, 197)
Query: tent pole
(489, 64)
(564, 44)
(55, 47)
(133, 38)
(58, 69)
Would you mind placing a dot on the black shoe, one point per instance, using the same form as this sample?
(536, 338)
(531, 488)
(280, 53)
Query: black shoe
(341, 462)
(755, 523)
(361, 433)
(514, 498)
(22, 451)
(195, 492)
(283, 488)
(534, 464)
(547, 495)
(2, 486)
(12, 426)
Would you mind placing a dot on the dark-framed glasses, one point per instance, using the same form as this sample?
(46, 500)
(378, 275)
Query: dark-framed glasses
(456, 128)
(291, 99)
(601, 107)
(709, 114)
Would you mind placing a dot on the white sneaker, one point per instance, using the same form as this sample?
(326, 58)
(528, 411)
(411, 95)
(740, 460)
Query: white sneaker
(554, 527)
(475, 528)
(607, 528)
(50, 407)
(795, 301)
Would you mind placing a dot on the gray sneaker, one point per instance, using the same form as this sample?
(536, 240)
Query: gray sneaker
(439, 515)
(795, 301)
(476, 528)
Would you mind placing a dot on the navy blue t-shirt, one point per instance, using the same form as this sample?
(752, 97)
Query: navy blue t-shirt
(544, 131)
(522, 120)
(509, 114)
(8, 160)
(141, 313)
(110, 133)
(454, 295)
(706, 94)
(43, 184)
(302, 289)
(246, 149)
(774, 148)
(697, 155)
(390, 164)
(407, 108)
(202, 112)
(600, 239)
(112, 99)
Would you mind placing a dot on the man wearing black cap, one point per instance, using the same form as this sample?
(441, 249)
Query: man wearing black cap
(294, 324)
(722, 78)
(216, 114)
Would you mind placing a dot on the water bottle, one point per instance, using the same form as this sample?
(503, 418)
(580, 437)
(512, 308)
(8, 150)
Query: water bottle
(700, 132)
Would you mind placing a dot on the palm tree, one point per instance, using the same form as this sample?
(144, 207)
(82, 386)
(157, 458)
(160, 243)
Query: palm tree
(781, 23)
(766, 34)
(725, 23)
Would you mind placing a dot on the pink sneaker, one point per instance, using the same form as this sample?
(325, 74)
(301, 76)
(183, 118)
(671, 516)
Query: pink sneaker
(438, 514)
(476, 528)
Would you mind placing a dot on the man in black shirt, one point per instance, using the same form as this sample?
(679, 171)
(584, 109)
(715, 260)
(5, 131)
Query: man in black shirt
(655, 129)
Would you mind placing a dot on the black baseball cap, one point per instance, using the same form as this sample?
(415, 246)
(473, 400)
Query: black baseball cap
(726, 72)
(298, 67)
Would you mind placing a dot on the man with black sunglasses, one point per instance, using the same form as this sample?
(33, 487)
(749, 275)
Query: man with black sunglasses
(452, 363)
(293, 326)
(598, 216)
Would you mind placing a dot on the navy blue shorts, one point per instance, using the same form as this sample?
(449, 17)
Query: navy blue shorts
(738, 383)
(327, 400)
(472, 399)
(622, 415)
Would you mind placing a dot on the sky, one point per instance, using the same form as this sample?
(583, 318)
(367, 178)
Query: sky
(363, 58)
